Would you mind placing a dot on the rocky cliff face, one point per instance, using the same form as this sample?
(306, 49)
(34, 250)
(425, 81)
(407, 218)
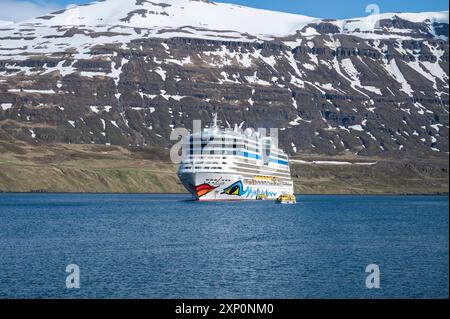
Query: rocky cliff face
(371, 88)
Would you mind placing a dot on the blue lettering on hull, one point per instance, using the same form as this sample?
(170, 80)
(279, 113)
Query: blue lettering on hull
(237, 189)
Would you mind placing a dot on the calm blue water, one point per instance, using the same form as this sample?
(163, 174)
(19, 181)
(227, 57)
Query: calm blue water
(163, 246)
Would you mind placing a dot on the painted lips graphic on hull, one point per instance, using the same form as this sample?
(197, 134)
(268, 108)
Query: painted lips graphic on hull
(203, 189)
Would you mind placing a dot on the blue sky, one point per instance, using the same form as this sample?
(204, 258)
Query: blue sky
(17, 10)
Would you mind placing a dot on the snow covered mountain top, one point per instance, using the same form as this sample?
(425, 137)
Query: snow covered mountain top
(440, 17)
(164, 15)
(371, 26)
(122, 21)
(175, 14)
(420, 17)
(2, 23)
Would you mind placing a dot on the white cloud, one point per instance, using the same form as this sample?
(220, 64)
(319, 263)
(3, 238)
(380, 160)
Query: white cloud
(19, 10)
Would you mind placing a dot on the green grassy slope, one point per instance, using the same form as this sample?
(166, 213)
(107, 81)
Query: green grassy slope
(93, 168)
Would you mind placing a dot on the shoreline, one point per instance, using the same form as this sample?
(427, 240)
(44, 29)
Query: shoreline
(81, 169)
(187, 194)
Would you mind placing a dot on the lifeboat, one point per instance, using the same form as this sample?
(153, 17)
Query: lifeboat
(261, 197)
(286, 199)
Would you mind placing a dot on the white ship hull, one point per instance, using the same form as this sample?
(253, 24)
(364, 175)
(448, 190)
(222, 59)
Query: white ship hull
(226, 186)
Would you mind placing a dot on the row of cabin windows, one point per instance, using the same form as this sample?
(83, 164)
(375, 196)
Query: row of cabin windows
(211, 144)
(221, 150)
(220, 143)
(203, 167)
(207, 163)
(233, 152)
(215, 152)
(221, 140)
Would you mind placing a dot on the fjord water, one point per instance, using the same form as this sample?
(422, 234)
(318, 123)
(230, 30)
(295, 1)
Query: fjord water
(165, 246)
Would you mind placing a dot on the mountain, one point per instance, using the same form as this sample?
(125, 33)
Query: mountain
(127, 72)
(3, 23)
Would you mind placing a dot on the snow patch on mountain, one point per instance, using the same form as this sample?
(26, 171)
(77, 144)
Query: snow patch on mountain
(175, 14)
(4, 23)
(121, 21)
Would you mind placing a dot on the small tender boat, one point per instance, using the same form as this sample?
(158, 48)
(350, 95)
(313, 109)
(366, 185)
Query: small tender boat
(286, 199)
(261, 197)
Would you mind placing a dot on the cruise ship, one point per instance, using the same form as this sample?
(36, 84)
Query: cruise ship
(233, 164)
